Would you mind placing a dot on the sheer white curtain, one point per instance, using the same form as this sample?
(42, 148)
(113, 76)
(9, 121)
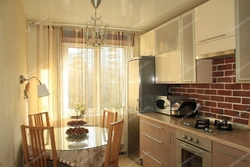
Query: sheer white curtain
(44, 55)
(75, 73)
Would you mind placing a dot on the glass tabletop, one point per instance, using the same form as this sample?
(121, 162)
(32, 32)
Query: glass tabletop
(96, 137)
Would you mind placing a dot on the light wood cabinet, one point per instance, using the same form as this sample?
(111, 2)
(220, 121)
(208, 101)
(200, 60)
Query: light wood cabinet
(187, 48)
(175, 59)
(147, 44)
(168, 67)
(157, 144)
(215, 27)
(227, 156)
(242, 41)
(168, 36)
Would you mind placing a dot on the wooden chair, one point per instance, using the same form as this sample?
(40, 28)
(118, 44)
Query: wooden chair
(113, 144)
(39, 119)
(108, 117)
(33, 143)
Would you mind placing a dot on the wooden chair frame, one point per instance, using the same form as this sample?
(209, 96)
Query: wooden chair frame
(33, 144)
(114, 142)
(108, 117)
(39, 119)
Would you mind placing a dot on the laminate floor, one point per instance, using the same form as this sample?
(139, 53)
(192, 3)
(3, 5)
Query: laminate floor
(125, 161)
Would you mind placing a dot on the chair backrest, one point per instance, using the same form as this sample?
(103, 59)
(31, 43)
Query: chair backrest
(114, 143)
(39, 119)
(33, 143)
(108, 117)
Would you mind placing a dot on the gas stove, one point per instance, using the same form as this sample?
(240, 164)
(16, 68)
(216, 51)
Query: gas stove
(210, 126)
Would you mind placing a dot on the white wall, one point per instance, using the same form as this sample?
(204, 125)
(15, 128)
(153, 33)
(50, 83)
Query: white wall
(13, 55)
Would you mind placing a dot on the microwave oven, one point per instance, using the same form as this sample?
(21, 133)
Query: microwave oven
(163, 103)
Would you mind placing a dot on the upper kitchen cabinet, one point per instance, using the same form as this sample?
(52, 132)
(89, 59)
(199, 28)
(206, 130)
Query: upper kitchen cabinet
(242, 29)
(147, 43)
(187, 48)
(168, 36)
(168, 67)
(215, 28)
(175, 59)
(168, 47)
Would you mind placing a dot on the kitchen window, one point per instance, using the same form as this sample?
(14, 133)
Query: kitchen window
(96, 77)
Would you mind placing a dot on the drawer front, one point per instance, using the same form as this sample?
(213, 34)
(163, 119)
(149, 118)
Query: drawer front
(152, 160)
(159, 143)
(230, 156)
(155, 143)
(154, 127)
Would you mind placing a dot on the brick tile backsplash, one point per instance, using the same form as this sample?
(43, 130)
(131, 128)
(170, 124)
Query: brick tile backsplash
(232, 99)
(246, 86)
(224, 92)
(217, 98)
(246, 101)
(222, 99)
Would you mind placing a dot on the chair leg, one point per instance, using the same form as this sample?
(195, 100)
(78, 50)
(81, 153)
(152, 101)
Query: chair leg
(116, 162)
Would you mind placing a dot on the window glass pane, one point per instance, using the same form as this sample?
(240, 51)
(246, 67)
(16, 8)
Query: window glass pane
(95, 78)
(112, 77)
(81, 63)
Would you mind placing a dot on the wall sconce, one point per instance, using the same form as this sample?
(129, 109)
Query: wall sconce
(41, 88)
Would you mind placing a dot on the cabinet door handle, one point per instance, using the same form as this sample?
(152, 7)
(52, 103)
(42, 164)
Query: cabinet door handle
(231, 155)
(193, 150)
(171, 138)
(158, 127)
(169, 50)
(218, 36)
(151, 157)
(188, 81)
(171, 81)
(151, 137)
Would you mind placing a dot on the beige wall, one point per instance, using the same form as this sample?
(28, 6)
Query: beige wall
(13, 55)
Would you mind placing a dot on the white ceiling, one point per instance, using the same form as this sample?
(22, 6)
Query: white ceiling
(134, 15)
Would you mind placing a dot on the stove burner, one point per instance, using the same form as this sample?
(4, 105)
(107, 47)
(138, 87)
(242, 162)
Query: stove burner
(216, 126)
(223, 125)
(227, 127)
(217, 122)
(202, 124)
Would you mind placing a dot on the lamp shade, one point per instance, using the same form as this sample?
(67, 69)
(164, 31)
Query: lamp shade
(42, 90)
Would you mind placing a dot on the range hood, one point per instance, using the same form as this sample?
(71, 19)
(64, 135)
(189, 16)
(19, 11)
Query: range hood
(217, 55)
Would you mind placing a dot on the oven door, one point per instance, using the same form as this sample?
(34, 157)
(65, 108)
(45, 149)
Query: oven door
(188, 155)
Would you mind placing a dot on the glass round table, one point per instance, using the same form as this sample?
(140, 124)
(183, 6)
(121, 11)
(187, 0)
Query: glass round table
(87, 150)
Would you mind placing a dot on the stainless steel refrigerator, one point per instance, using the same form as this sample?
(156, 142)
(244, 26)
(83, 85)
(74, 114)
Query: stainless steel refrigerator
(141, 91)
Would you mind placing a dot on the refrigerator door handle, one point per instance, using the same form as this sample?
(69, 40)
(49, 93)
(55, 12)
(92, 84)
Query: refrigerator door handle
(138, 104)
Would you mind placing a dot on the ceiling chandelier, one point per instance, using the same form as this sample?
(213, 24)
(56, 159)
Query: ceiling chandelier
(96, 31)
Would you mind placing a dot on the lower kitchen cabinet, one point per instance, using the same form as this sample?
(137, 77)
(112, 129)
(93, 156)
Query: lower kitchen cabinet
(157, 144)
(227, 156)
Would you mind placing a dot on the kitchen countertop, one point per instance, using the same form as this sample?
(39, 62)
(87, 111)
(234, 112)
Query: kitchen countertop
(239, 140)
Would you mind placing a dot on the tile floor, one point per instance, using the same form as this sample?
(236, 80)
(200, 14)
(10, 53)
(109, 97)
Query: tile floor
(125, 161)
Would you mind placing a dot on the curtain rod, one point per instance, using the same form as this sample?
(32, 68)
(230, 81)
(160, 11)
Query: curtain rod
(33, 24)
